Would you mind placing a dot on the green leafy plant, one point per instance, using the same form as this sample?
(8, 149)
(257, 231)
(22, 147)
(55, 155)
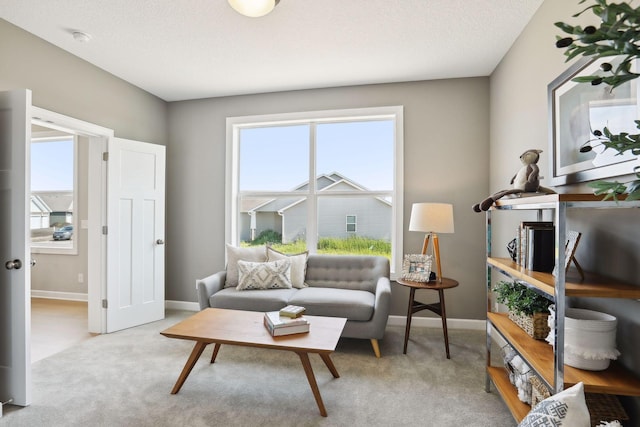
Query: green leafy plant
(520, 299)
(618, 35)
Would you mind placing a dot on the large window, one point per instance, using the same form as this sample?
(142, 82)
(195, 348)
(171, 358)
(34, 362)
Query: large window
(327, 182)
(53, 192)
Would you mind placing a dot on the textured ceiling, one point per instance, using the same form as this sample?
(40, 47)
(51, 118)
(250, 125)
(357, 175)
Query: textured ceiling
(189, 49)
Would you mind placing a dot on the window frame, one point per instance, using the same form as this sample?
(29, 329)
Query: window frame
(44, 136)
(354, 223)
(232, 193)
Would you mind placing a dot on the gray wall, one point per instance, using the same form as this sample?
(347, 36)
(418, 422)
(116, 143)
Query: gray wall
(63, 83)
(611, 239)
(446, 155)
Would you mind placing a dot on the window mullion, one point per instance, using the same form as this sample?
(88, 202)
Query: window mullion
(312, 200)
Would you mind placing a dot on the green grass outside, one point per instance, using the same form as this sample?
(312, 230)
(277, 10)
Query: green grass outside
(327, 245)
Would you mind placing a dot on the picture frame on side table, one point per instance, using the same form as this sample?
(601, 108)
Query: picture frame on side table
(576, 110)
(417, 267)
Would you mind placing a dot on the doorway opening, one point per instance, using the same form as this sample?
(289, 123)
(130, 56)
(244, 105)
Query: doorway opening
(73, 269)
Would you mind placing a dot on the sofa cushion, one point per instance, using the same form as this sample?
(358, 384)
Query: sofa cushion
(358, 272)
(334, 302)
(298, 265)
(258, 300)
(234, 254)
(264, 275)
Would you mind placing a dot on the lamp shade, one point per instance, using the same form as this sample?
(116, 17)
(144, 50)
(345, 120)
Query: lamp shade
(253, 8)
(432, 217)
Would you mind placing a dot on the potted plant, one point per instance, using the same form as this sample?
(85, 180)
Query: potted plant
(527, 309)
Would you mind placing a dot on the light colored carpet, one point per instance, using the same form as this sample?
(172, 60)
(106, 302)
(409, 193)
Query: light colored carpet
(125, 378)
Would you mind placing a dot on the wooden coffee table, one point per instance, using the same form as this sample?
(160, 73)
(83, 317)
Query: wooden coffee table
(245, 328)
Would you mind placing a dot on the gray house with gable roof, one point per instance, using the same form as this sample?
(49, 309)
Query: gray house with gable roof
(339, 217)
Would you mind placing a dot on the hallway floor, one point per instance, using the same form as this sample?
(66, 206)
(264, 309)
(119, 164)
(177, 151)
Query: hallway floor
(56, 325)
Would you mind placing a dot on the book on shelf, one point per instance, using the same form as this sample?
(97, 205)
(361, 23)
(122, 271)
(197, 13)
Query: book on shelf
(292, 311)
(523, 239)
(278, 325)
(541, 248)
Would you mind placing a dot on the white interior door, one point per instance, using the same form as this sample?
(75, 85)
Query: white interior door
(135, 233)
(15, 277)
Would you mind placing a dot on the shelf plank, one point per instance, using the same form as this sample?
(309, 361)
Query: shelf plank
(500, 379)
(539, 355)
(551, 201)
(593, 286)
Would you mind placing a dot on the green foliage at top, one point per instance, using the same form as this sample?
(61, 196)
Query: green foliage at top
(618, 34)
(521, 299)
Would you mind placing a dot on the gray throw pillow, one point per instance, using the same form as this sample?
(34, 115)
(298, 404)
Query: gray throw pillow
(235, 254)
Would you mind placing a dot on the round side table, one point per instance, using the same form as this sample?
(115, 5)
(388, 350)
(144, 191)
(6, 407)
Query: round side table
(438, 307)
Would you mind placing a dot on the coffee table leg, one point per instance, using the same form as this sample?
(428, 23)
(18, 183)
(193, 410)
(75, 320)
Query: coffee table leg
(193, 358)
(306, 364)
(215, 352)
(327, 361)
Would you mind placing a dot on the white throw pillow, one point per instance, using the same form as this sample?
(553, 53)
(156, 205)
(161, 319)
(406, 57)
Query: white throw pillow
(264, 275)
(235, 254)
(298, 265)
(567, 408)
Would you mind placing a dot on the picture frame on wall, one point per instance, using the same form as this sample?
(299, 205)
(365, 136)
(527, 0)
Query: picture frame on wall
(576, 110)
(416, 267)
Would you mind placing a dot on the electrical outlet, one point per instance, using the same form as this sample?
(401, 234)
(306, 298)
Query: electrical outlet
(80, 278)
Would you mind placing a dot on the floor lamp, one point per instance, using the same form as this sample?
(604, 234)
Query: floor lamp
(432, 218)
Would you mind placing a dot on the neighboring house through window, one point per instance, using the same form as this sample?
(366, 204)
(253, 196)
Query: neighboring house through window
(53, 192)
(293, 179)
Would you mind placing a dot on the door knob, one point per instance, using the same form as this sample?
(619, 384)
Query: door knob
(160, 242)
(16, 264)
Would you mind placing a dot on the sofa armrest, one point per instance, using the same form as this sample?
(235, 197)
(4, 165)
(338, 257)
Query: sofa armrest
(382, 306)
(209, 286)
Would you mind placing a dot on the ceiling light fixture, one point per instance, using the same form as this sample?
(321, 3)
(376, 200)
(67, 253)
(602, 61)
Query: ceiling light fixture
(253, 8)
(80, 36)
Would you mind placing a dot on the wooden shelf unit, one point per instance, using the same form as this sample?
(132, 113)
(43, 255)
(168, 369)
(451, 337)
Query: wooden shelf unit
(538, 354)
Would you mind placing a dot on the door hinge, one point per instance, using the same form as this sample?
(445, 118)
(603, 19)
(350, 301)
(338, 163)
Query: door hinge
(105, 230)
(105, 156)
(105, 303)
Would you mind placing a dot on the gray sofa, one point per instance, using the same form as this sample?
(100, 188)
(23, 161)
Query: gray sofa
(355, 287)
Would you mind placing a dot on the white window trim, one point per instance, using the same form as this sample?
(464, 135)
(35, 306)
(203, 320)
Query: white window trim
(73, 250)
(354, 223)
(234, 124)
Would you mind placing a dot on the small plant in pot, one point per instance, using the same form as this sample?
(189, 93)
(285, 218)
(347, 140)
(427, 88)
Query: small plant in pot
(528, 309)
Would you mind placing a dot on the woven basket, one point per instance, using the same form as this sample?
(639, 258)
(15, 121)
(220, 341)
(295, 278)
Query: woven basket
(535, 326)
(602, 407)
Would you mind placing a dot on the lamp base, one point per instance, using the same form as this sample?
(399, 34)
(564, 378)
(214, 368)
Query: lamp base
(433, 237)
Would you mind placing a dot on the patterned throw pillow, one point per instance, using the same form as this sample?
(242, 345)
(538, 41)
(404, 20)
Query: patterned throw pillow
(298, 265)
(565, 409)
(235, 254)
(264, 275)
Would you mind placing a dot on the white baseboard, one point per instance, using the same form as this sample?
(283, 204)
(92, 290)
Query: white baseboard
(436, 322)
(182, 305)
(70, 296)
(416, 321)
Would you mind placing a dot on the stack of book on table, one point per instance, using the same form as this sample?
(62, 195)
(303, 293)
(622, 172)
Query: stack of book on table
(278, 325)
